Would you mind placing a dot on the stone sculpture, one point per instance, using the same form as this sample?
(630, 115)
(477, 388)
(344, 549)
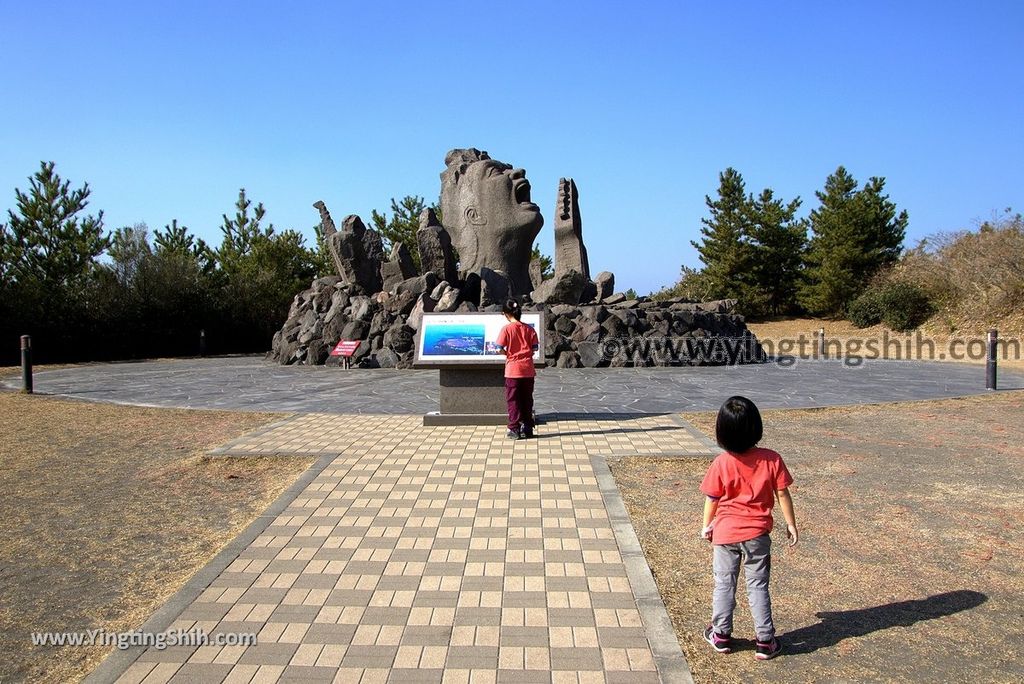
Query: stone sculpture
(487, 210)
(478, 258)
(570, 252)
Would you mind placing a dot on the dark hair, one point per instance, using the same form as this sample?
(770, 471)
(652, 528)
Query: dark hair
(512, 308)
(739, 425)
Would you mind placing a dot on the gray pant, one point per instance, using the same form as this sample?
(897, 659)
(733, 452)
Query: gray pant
(757, 566)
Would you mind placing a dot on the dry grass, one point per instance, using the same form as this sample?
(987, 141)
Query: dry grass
(910, 565)
(106, 511)
(912, 345)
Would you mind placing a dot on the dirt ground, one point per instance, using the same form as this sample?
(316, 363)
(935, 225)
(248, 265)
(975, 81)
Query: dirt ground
(106, 511)
(910, 565)
(843, 338)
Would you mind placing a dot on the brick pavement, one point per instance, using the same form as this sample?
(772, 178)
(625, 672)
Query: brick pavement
(433, 554)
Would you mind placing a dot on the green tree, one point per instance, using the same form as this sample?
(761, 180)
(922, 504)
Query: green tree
(49, 267)
(259, 272)
(547, 266)
(241, 234)
(725, 248)
(323, 262)
(779, 241)
(403, 223)
(855, 232)
(46, 242)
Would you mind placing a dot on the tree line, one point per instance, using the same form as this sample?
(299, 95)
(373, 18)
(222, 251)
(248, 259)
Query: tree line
(85, 293)
(754, 248)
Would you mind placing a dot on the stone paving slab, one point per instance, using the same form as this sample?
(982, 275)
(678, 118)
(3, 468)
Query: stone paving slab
(434, 554)
(252, 384)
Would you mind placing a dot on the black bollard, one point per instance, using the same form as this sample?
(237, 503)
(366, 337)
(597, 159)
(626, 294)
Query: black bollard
(202, 343)
(26, 364)
(990, 361)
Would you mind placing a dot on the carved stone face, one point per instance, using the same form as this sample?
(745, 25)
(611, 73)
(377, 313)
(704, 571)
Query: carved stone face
(495, 221)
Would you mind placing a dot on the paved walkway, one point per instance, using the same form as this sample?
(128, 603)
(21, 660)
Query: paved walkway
(432, 554)
(252, 384)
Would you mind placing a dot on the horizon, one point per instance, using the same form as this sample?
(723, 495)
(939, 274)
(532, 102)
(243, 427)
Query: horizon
(167, 112)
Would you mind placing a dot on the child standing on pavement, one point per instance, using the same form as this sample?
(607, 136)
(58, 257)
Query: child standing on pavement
(517, 341)
(741, 486)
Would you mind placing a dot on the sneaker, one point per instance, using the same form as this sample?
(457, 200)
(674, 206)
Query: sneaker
(766, 650)
(722, 644)
(512, 434)
(527, 433)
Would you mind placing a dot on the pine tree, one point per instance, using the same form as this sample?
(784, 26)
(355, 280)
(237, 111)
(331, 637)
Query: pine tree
(725, 248)
(46, 244)
(242, 234)
(779, 243)
(403, 224)
(855, 233)
(547, 266)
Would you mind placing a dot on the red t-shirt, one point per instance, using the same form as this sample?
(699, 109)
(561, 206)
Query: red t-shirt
(745, 486)
(518, 339)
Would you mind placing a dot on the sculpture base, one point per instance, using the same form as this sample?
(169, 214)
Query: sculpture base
(471, 396)
(455, 419)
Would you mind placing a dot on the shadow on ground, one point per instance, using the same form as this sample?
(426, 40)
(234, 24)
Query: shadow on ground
(839, 625)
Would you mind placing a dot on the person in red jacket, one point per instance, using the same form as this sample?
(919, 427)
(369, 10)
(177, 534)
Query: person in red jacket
(518, 341)
(741, 487)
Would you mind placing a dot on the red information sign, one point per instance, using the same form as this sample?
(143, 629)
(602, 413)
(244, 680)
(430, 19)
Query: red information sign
(345, 348)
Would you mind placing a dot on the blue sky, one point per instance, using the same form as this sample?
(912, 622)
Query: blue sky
(167, 109)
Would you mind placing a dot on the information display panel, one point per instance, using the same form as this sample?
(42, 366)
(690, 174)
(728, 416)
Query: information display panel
(468, 338)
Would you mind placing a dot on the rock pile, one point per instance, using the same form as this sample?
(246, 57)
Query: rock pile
(611, 331)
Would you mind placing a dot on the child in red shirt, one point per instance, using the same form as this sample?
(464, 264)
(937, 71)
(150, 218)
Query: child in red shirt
(517, 341)
(741, 486)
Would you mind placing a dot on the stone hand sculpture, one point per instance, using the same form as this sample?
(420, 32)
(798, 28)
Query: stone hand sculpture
(570, 252)
(488, 212)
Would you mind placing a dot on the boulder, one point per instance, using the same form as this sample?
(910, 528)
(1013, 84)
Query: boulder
(587, 330)
(355, 330)
(605, 283)
(564, 325)
(349, 251)
(418, 285)
(589, 293)
(435, 244)
(569, 359)
(627, 316)
(339, 301)
(555, 344)
(317, 353)
(386, 358)
(616, 298)
(592, 354)
(423, 305)
(399, 338)
(494, 288)
(449, 300)
(565, 289)
(595, 313)
(362, 308)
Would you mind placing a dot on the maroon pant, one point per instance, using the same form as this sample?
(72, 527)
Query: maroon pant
(519, 395)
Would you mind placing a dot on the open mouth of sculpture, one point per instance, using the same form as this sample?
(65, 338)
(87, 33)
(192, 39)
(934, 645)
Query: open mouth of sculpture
(521, 191)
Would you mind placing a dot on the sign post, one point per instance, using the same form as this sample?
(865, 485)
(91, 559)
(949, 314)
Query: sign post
(471, 382)
(345, 349)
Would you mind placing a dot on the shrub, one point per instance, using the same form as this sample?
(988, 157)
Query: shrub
(904, 306)
(865, 310)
